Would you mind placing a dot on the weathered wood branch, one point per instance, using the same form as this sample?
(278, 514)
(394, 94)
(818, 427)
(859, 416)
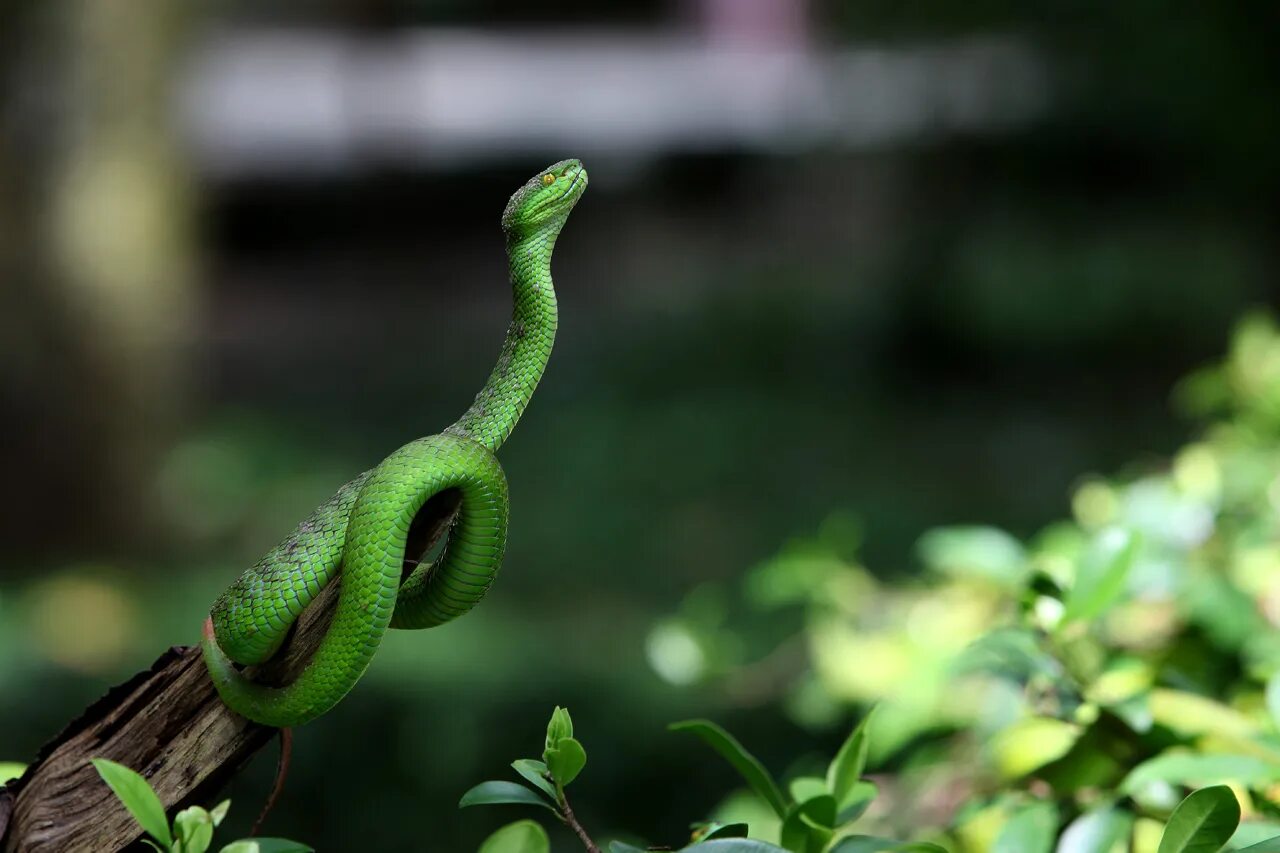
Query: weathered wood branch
(168, 724)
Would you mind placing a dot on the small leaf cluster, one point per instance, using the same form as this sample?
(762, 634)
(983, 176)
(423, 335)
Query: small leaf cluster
(563, 758)
(192, 828)
(815, 812)
(819, 811)
(1088, 689)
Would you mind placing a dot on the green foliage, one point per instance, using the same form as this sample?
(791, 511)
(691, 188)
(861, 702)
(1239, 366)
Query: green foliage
(1202, 822)
(10, 770)
(1108, 685)
(1111, 685)
(819, 811)
(563, 756)
(537, 774)
(1030, 829)
(193, 827)
(136, 795)
(1271, 845)
(523, 836)
(266, 845)
(744, 762)
(559, 727)
(1102, 828)
(711, 830)
(496, 793)
(869, 844)
(817, 814)
(844, 774)
(566, 761)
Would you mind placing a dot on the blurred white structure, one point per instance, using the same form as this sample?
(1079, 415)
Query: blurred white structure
(295, 102)
(769, 23)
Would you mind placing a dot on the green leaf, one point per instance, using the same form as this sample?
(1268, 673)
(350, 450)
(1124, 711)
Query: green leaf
(137, 797)
(266, 845)
(821, 810)
(193, 828)
(1011, 652)
(1189, 714)
(872, 844)
(845, 770)
(985, 553)
(1031, 829)
(1254, 832)
(1095, 832)
(10, 770)
(1101, 575)
(219, 812)
(1031, 743)
(501, 793)
(566, 760)
(808, 826)
(735, 845)
(723, 830)
(1202, 822)
(806, 788)
(801, 835)
(619, 847)
(744, 762)
(535, 772)
(559, 726)
(1182, 768)
(523, 836)
(856, 802)
(1271, 845)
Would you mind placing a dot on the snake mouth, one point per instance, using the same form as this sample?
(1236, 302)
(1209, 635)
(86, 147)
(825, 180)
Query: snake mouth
(427, 530)
(579, 175)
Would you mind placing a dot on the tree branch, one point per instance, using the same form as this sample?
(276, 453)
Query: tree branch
(168, 724)
(572, 820)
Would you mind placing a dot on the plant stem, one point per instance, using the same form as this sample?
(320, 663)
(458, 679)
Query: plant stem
(566, 813)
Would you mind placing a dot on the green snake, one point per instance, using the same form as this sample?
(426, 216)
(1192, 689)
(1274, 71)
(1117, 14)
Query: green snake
(363, 530)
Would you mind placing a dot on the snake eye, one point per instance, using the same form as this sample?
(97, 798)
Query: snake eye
(548, 179)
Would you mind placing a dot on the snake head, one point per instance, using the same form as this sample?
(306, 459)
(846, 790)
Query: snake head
(545, 198)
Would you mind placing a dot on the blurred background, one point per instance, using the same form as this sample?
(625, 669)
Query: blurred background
(859, 267)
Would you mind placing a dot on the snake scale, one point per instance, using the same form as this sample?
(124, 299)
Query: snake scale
(363, 530)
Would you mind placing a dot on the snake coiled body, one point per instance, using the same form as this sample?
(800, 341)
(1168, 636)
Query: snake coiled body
(363, 531)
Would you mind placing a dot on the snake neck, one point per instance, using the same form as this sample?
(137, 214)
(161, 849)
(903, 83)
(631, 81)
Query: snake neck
(527, 347)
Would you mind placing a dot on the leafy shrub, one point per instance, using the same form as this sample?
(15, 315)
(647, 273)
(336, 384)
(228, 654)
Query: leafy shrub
(812, 812)
(1066, 692)
(818, 814)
